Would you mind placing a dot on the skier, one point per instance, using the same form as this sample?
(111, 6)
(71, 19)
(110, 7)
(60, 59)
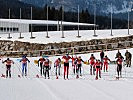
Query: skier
(66, 59)
(92, 63)
(128, 56)
(24, 61)
(106, 59)
(119, 66)
(8, 66)
(79, 65)
(98, 68)
(74, 64)
(57, 65)
(47, 67)
(40, 62)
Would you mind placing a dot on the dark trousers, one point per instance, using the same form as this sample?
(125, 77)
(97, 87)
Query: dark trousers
(41, 69)
(66, 69)
(78, 69)
(92, 69)
(58, 70)
(119, 69)
(46, 71)
(8, 70)
(98, 71)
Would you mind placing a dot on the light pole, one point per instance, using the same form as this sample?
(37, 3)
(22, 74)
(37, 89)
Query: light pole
(129, 9)
(47, 21)
(9, 12)
(95, 19)
(62, 27)
(111, 19)
(20, 37)
(78, 23)
(128, 22)
(31, 26)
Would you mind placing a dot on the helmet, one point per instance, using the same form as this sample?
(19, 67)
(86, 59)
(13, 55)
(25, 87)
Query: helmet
(75, 56)
(79, 57)
(59, 59)
(91, 54)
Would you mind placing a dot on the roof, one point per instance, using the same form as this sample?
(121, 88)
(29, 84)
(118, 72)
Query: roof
(43, 22)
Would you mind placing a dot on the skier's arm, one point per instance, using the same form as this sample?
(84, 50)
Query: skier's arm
(20, 60)
(38, 62)
(12, 61)
(28, 60)
(3, 61)
(82, 60)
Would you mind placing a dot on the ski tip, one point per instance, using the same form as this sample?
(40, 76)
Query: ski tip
(37, 76)
(117, 78)
(19, 76)
(3, 75)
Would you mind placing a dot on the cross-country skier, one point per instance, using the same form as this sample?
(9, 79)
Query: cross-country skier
(74, 64)
(119, 66)
(40, 62)
(98, 68)
(57, 65)
(47, 67)
(24, 61)
(128, 57)
(106, 60)
(92, 63)
(8, 67)
(79, 65)
(66, 59)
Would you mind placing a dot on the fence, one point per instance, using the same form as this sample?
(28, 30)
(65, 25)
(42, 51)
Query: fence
(71, 50)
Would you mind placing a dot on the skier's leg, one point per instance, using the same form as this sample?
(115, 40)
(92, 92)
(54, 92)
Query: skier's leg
(118, 70)
(64, 71)
(99, 72)
(96, 73)
(130, 63)
(106, 67)
(10, 71)
(67, 71)
(91, 69)
(94, 70)
(45, 71)
(80, 70)
(59, 70)
(6, 71)
(23, 69)
(41, 68)
(48, 72)
(56, 71)
(77, 71)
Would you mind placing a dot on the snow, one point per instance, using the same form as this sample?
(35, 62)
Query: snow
(42, 22)
(84, 88)
(55, 36)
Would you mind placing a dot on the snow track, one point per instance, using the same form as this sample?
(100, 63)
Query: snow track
(84, 88)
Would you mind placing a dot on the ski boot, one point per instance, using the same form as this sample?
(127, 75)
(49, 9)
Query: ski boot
(77, 77)
(96, 78)
(57, 77)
